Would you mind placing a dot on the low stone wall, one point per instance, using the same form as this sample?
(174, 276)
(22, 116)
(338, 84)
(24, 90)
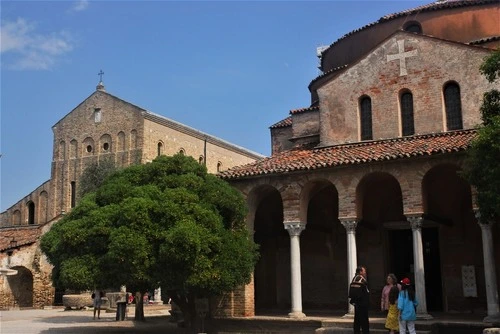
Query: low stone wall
(82, 300)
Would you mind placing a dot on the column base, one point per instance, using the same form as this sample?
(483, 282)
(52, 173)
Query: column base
(424, 316)
(296, 315)
(494, 318)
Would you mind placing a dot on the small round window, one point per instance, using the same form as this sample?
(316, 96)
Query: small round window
(105, 146)
(413, 26)
(89, 148)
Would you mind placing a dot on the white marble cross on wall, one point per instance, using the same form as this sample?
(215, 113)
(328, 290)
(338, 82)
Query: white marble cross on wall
(402, 55)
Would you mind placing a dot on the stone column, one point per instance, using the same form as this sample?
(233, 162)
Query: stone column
(294, 229)
(490, 276)
(418, 265)
(352, 257)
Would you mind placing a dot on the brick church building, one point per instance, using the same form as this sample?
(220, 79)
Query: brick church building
(369, 173)
(101, 128)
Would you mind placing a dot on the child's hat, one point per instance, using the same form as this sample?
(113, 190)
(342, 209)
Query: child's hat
(405, 281)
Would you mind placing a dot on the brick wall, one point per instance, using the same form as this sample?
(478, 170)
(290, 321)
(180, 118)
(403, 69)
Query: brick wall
(428, 71)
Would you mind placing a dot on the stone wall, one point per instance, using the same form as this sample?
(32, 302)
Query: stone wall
(32, 286)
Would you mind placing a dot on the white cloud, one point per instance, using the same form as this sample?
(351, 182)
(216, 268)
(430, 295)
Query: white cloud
(31, 50)
(80, 6)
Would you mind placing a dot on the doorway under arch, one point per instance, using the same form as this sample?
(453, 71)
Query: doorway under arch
(21, 286)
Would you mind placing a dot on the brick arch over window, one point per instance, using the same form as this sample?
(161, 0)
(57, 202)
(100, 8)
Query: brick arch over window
(133, 139)
(105, 144)
(121, 141)
(452, 106)
(159, 148)
(182, 151)
(62, 150)
(88, 147)
(31, 213)
(16, 218)
(73, 149)
(43, 206)
(365, 117)
(406, 107)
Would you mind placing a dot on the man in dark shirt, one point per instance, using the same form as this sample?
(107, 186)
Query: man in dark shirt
(360, 298)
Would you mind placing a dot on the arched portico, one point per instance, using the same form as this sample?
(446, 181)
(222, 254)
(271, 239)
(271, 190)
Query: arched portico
(323, 247)
(379, 207)
(272, 272)
(448, 218)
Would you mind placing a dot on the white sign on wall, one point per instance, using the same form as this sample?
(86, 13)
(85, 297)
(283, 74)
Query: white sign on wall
(469, 281)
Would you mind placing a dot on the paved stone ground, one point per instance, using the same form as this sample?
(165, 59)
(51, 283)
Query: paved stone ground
(58, 320)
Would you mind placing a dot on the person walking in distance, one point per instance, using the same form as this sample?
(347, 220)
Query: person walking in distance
(407, 305)
(97, 296)
(359, 295)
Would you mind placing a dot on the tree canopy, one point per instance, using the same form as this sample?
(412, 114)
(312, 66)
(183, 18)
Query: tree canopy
(483, 167)
(166, 223)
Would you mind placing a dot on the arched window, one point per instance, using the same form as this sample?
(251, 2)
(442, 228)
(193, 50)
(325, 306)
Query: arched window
(413, 26)
(31, 213)
(219, 166)
(182, 151)
(201, 160)
(453, 106)
(73, 193)
(365, 106)
(406, 103)
(160, 148)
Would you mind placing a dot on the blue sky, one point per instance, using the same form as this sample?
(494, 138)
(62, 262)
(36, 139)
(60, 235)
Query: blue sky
(228, 68)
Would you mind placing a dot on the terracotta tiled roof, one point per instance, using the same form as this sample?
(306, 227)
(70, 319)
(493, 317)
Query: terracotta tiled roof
(484, 40)
(25, 235)
(437, 5)
(301, 110)
(283, 123)
(354, 154)
(324, 74)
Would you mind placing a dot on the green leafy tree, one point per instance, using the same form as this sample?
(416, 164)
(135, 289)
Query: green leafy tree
(94, 175)
(483, 167)
(167, 223)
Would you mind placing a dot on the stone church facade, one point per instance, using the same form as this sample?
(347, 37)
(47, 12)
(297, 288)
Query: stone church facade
(369, 173)
(102, 127)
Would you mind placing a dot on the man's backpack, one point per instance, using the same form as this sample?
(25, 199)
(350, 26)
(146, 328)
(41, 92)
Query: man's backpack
(356, 290)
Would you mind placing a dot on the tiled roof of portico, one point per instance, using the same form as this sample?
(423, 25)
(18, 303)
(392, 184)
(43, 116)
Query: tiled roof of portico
(354, 154)
(22, 236)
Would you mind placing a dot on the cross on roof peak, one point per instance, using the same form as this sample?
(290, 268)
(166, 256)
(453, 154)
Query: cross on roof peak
(100, 74)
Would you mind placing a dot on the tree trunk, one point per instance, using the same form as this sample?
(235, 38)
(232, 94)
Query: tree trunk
(187, 307)
(139, 307)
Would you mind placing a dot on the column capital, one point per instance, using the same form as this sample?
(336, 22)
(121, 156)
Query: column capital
(349, 224)
(415, 221)
(294, 228)
(482, 223)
